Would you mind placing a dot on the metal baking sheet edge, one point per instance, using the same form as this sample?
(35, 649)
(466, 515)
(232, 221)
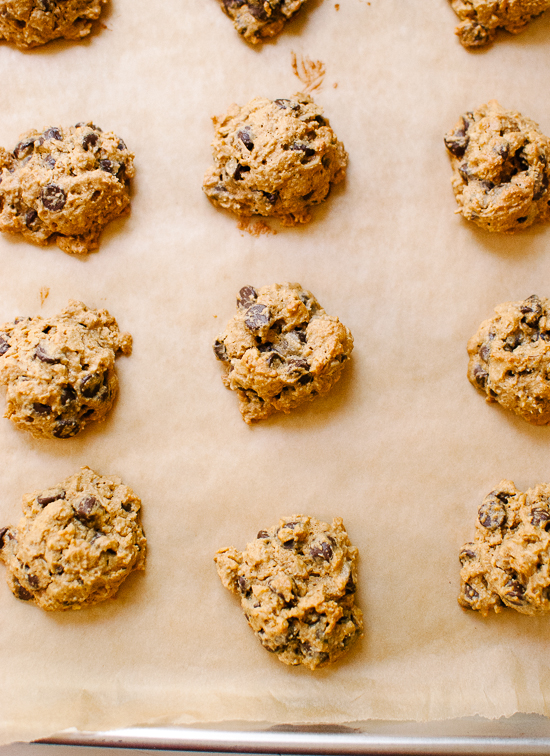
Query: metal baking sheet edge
(521, 735)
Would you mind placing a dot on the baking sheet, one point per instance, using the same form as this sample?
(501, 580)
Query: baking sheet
(404, 449)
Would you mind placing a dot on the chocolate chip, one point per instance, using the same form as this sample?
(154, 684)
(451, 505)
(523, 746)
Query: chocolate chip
(30, 217)
(308, 151)
(106, 165)
(541, 186)
(480, 376)
(470, 593)
(296, 364)
(4, 346)
(90, 125)
(66, 428)
(275, 357)
(47, 498)
(239, 170)
(20, 592)
(68, 394)
(457, 142)
(540, 517)
(257, 9)
(53, 197)
(3, 532)
(49, 162)
(243, 584)
(532, 310)
(350, 585)
(34, 582)
(24, 147)
(244, 136)
(491, 514)
(41, 354)
(288, 544)
(220, 351)
(121, 145)
(85, 507)
(262, 534)
(512, 342)
(466, 555)
(90, 140)
(246, 297)
(271, 198)
(52, 133)
(515, 592)
(91, 384)
(257, 316)
(464, 171)
(283, 104)
(324, 551)
(41, 409)
(503, 150)
(305, 379)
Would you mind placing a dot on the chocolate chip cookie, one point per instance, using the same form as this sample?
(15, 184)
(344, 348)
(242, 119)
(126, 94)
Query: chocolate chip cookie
(257, 19)
(274, 158)
(60, 371)
(501, 169)
(28, 23)
(75, 543)
(480, 19)
(64, 184)
(297, 584)
(280, 350)
(508, 563)
(510, 358)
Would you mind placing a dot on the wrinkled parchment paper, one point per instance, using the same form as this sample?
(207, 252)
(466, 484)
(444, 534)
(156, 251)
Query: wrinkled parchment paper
(404, 449)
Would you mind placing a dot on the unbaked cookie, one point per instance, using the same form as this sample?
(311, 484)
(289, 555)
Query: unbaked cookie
(297, 584)
(508, 564)
(501, 169)
(274, 158)
(64, 184)
(60, 371)
(257, 19)
(280, 350)
(75, 544)
(510, 358)
(28, 23)
(480, 19)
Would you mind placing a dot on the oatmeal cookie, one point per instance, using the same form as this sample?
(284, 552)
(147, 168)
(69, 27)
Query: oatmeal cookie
(28, 23)
(508, 563)
(60, 371)
(274, 158)
(297, 584)
(510, 358)
(480, 19)
(257, 19)
(64, 184)
(280, 350)
(501, 169)
(75, 544)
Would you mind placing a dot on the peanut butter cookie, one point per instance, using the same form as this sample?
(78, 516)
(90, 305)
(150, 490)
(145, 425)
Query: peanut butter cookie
(480, 19)
(28, 23)
(256, 20)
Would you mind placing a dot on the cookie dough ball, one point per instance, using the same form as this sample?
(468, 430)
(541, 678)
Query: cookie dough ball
(479, 19)
(501, 169)
(297, 584)
(257, 19)
(508, 563)
(28, 23)
(274, 158)
(280, 350)
(75, 544)
(64, 184)
(60, 371)
(510, 358)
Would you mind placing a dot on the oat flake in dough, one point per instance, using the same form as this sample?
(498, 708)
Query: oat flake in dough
(480, 19)
(60, 371)
(28, 23)
(297, 584)
(501, 169)
(256, 20)
(75, 544)
(508, 563)
(274, 158)
(64, 184)
(280, 350)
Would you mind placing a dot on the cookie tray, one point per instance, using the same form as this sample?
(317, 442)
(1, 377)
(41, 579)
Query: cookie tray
(521, 735)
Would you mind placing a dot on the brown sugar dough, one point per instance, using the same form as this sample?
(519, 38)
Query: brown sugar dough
(274, 158)
(60, 371)
(280, 350)
(75, 544)
(64, 184)
(480, 19)
(508, 563)
(256, 20)
(510, 358)
(297, 584)
(28, 23)
(501, 169)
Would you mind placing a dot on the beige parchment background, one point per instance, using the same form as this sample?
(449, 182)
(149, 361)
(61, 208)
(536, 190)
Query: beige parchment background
(404, 449)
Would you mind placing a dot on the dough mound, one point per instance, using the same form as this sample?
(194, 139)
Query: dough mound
(280, 350)
(510, 358)
(508, 564)
(60, 371)
(257, 19)
(501, 169)
(274, 158)
(28, 23)
(297, 584)
(64, 184)
(75, 544)
(480, 19)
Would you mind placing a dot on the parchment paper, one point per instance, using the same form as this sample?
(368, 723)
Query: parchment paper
(404, 449)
